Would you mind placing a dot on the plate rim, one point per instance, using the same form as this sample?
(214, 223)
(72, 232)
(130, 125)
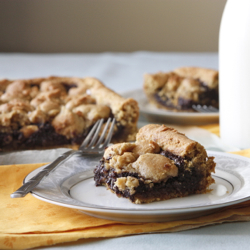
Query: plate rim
(161, 211)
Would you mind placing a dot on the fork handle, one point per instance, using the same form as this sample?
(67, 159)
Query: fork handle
(34, 181)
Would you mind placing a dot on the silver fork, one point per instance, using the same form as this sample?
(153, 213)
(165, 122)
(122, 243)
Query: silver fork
(93, 144)
(205, 109)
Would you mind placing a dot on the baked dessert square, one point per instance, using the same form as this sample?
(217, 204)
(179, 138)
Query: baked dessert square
(178, 90)
(161, 164)
(59, 111)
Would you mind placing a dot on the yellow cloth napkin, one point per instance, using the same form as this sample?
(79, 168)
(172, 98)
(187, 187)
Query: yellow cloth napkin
(28, 222)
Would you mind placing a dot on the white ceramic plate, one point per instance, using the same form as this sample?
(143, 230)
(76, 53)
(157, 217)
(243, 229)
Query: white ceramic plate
(153, 114)
(72, 185)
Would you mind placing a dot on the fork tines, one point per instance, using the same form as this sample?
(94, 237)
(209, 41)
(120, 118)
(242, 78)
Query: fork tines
(99, 137)
(205, 109)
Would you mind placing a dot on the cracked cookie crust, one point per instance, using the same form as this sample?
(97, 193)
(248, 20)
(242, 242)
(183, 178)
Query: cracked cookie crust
(161, 164)
(59, 111)
(180, 89)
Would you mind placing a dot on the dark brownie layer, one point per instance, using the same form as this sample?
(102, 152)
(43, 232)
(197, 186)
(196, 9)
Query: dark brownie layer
(208, 97)
(187, 182)
(46, 136)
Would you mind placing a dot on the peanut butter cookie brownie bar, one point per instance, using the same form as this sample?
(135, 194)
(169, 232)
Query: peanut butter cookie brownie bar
(161, 164)
(180, 89)
(58, 111)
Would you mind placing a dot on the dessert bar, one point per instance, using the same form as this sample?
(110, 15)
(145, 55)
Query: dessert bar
(178, 90)
(161, 164)
(59, 111)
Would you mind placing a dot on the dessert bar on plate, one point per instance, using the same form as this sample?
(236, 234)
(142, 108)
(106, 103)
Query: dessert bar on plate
(59, 111)
(178, 90)
(161, 164)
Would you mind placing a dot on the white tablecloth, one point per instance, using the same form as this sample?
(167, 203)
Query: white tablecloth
(119, 71)
(124, 72)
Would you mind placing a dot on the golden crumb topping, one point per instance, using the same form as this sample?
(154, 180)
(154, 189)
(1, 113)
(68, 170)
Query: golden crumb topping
(70, 105)
(144, 155)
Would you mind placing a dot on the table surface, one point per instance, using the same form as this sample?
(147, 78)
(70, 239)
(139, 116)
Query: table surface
(119, 71)
(123, 72)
